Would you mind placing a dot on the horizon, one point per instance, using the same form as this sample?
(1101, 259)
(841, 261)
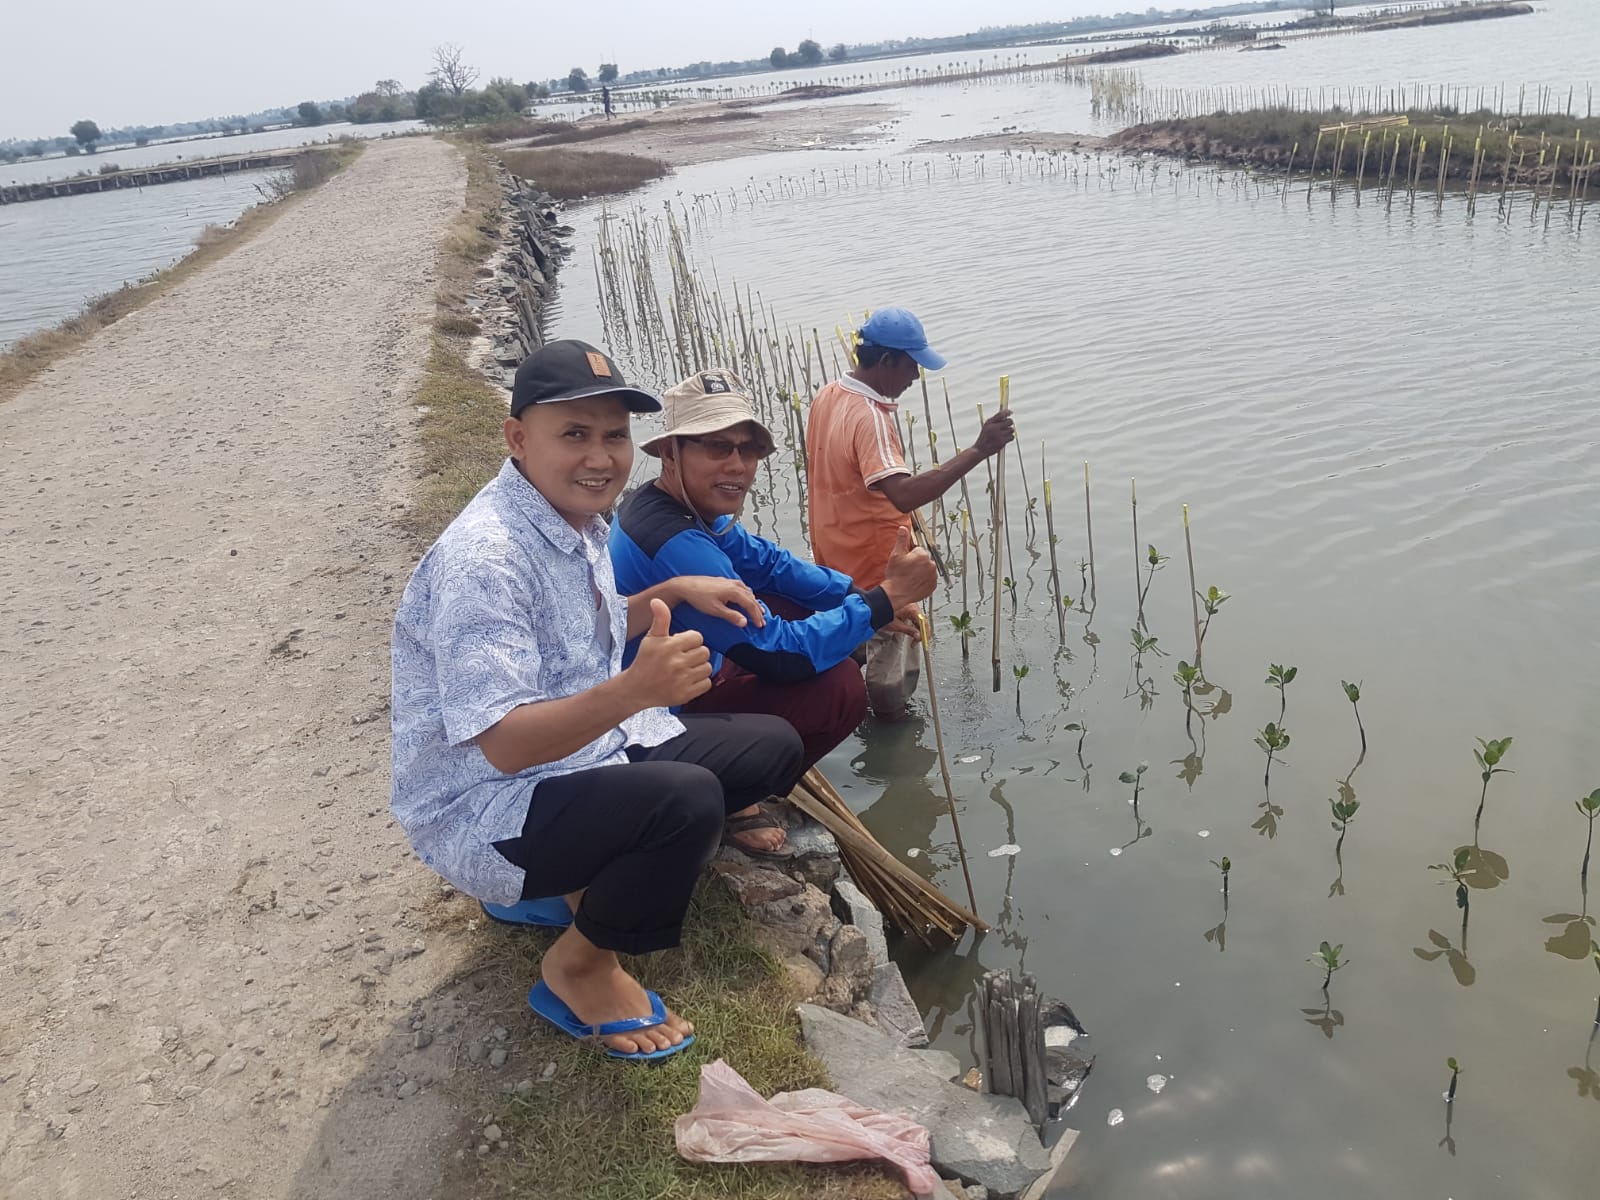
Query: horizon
(171, 62)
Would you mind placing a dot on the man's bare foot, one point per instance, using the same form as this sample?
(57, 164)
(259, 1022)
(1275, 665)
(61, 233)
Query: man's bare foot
(594, 986)
(759, 839)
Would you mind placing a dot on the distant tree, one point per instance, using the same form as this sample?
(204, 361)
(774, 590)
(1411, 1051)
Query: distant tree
(389, 87)
(838, 53)
(35, 149)
(87, 133)
(309, 113)
(538, 91)
(141, 141)
(449, 71)
(608, 73)
(513, 94)
(73, 149)
(779, 58)
(577, 80)
(809, 53)
(438, 105)
(487, 105)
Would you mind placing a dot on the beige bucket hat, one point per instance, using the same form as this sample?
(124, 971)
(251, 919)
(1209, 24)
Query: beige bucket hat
(706, 402)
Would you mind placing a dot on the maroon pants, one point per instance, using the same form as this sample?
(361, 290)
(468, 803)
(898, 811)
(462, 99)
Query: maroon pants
(824, 710)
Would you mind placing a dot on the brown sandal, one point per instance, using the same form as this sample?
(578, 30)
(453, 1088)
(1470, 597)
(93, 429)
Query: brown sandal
(762, 818)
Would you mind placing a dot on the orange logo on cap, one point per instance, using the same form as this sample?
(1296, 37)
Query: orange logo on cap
(599, 365)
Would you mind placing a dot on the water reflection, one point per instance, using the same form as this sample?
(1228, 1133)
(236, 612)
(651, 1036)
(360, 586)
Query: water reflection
(1586, 1077)
(1327, 1018)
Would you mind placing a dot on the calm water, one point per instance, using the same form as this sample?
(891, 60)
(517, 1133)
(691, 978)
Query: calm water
(56, 254)
(1384, 424)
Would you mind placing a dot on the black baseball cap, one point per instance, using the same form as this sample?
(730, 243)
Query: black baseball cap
(572, 370)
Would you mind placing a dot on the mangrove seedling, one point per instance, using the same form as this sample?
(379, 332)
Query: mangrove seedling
(1225, 865)
(1344, 811)
(1156, 560)
(1456, 871)
(1135, 777)
(1143, 644)
(1019, 674)
(1455, 1076)
(1352, 692)
(1186, 677)
(1328, 957)
(1272, 740)
(963, 626)
(1082, 731)
(1589, 807)
(1083, 584)
(1211, 599)
(1281, 677)
(1489, 754)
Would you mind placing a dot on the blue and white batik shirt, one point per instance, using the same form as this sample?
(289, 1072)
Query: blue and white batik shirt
(501, 612)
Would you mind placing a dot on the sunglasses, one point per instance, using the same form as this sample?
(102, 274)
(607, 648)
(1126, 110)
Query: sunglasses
(720, 449)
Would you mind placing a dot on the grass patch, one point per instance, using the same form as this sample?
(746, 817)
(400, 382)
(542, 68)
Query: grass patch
(458, 432)
(575, 174)
(603, 1129)
(23, 362)
(509, 130)
(1266, 136)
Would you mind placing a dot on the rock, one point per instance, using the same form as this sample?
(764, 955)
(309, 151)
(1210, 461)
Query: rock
(407, 1089)
(799, 924)
(1058, 1155)
(548, 1073)
(976, 1192)
(497, 1057)
(202, 1061)
(853, 908)
(524, 1087)
(981, 1139)
(804, 974)
(328, 1039)
(491, 1133)
(896, 1012)
(941, 1062)
(475, 1052)
(751, 885)
(188, 1092)
(422, 1040)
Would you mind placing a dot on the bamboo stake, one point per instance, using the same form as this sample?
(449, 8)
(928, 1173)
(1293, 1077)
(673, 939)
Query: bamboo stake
(1088, 525)
(966, 496)
(1133, 492)
(1194, 589)
(1055, 569)
(938, 741)
(999, 526)
(966, 609)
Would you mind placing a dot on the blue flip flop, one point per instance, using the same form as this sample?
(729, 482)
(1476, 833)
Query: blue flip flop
(548, 911)
(554, 1009)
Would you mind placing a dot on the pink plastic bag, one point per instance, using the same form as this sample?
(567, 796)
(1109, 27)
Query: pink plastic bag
(732, 1123)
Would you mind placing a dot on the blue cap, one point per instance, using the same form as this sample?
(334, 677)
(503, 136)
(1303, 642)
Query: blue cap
(899, 329)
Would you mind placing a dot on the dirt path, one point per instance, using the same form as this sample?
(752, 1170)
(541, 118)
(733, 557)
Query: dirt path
(209, 927)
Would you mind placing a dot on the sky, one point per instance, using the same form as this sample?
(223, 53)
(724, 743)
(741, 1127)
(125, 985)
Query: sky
(158, 61)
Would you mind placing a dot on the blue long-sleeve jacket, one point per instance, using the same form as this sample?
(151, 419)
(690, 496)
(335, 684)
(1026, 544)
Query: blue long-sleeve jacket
(655, 538)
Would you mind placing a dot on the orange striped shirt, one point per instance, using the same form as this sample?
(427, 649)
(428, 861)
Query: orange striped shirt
(852, 443)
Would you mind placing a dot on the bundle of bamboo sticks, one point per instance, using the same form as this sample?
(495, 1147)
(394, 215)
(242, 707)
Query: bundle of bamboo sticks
(914, 906)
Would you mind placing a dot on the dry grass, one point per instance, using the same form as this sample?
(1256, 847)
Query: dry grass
(39, 351)
(603, 1129)
(575, 174)
(508, 130)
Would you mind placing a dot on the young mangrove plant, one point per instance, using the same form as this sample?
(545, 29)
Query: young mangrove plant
(963, 626)
(1455, 1077)
(1281, 677)
(1135, 777)
(1352, 692)
(1457, 871)
(1330, 959)
(1019, 674)
(1344, 811)
(1186, 677)
(1212, 599)
(1273, 740)
(1588, 807)
(1156, 561)
(1489, 754)
(1146, 644)
(1225, 865)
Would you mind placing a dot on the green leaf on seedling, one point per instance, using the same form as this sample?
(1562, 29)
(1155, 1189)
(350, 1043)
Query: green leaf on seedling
(1352, 691)
(1224, 866)
(1453, 1065)
(1009, 584)
(1127, 777)
(1589, 806)
(1186, 675)
(1213, 598)
(1019, 673)
(1073, 727)
(1272, 738)
(1156, 558)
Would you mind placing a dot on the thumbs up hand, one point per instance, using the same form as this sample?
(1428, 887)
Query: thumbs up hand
(670, 668)
(910, 575)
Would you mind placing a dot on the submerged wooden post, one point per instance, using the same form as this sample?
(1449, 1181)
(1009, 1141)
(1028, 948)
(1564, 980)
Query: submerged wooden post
(1013, 1041)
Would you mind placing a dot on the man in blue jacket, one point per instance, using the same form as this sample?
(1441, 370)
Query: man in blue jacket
(797, 665)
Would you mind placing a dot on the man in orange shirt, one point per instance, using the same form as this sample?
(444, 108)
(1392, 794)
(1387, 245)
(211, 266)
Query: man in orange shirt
(861, 491)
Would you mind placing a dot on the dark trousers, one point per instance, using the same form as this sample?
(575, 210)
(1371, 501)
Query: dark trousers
(824, 709)
(635, 836)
